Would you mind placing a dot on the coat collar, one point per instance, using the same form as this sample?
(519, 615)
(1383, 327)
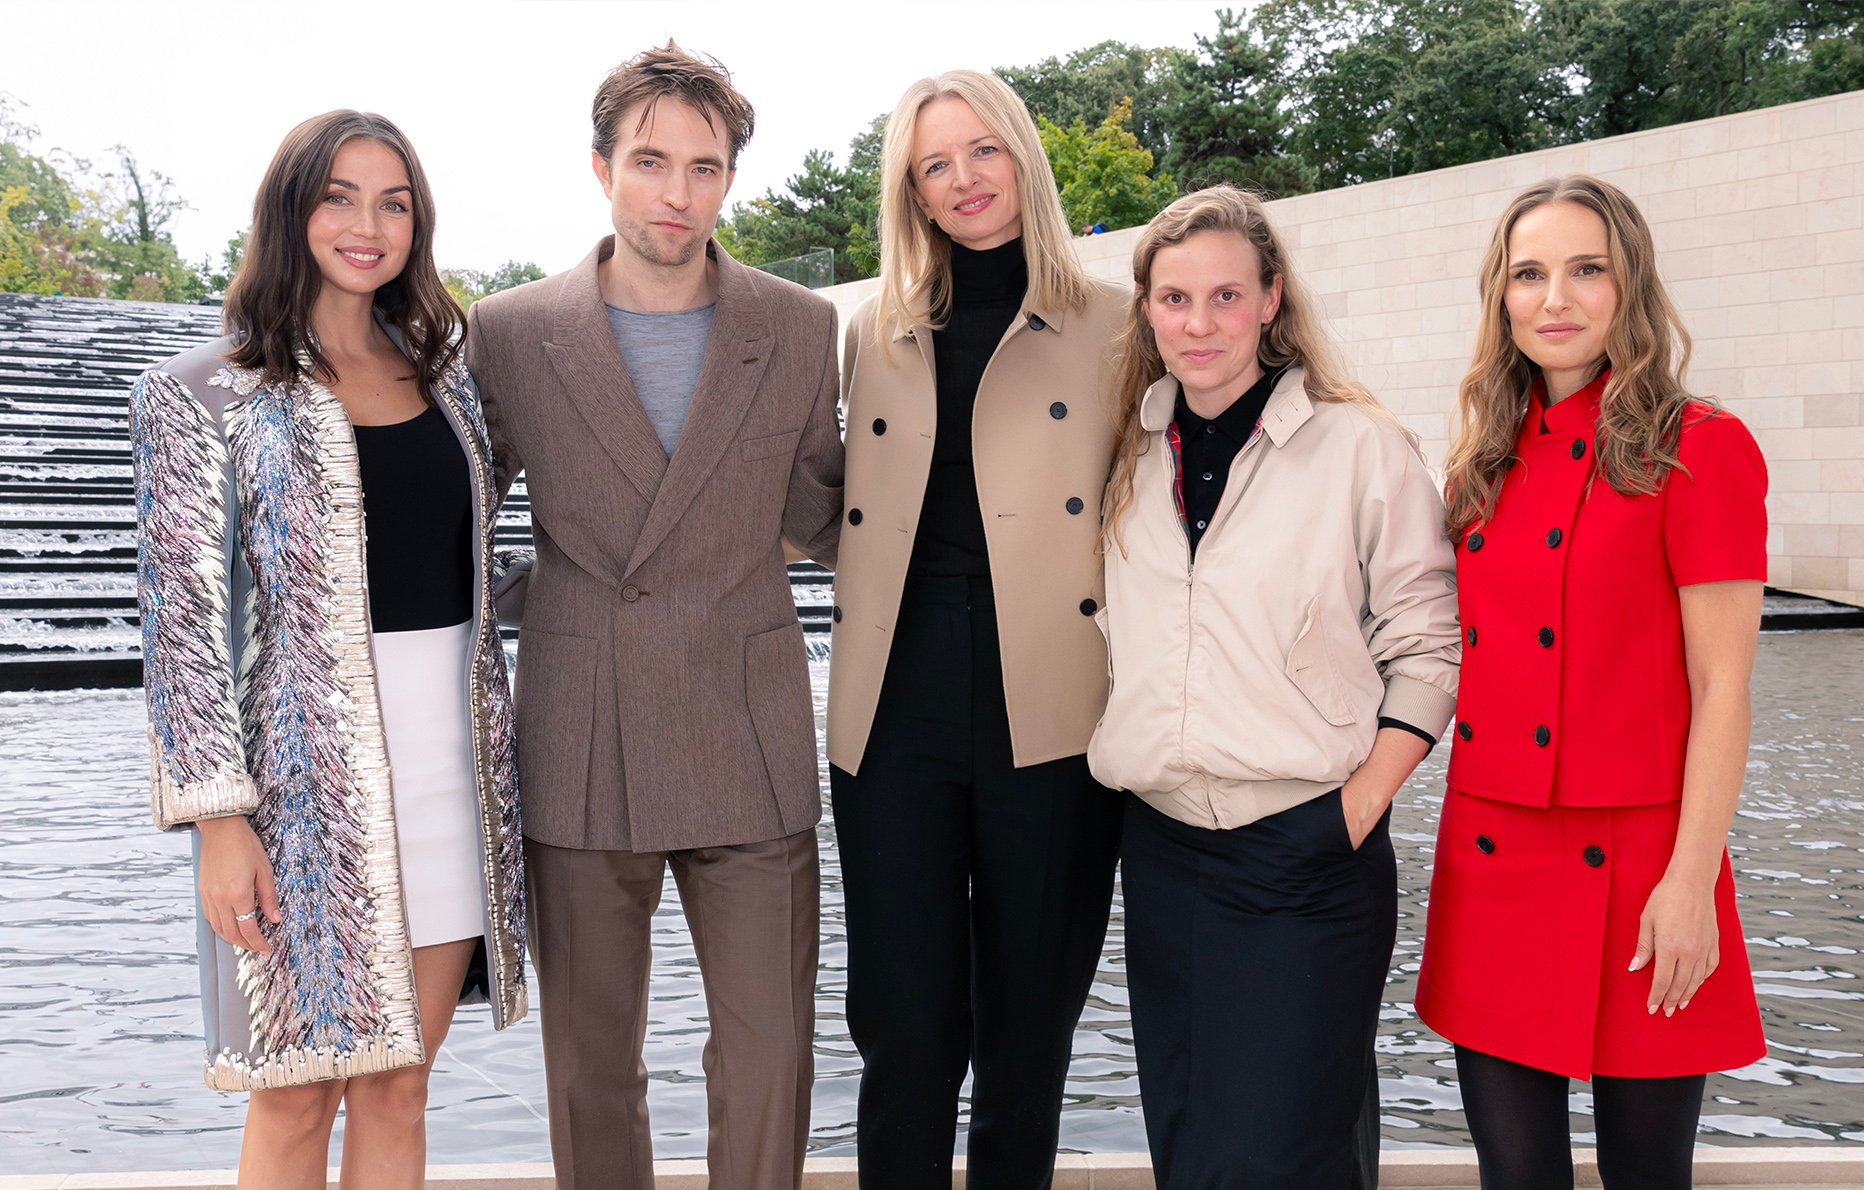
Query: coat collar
(582, 351)
(1287, 410)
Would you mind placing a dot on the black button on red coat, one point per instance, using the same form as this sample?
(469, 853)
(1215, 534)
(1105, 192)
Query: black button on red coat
(1474, 543)
(1485, 845)
(1594, 856)
(1464, 731)
(1545, 637)
(1553, 538)
(1542, 736)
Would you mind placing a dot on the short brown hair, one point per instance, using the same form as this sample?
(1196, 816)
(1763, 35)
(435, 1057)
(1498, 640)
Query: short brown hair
(698, 80)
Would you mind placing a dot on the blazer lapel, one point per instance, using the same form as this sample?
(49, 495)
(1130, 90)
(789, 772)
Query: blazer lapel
(582, 352)
(737, 352)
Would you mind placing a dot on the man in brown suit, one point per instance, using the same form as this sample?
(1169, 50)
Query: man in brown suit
(674, 413)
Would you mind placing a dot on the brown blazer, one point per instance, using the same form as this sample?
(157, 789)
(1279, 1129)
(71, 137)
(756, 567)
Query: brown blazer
(663, 687)
(1042, 442)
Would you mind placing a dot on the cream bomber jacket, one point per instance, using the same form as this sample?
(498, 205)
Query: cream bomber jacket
(1323, 596)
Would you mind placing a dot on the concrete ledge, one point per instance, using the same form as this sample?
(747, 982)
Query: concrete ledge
(1799, 1167)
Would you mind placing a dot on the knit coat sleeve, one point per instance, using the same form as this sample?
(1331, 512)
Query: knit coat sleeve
(198, 766)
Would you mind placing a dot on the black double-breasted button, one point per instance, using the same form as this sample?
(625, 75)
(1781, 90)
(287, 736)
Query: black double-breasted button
(1463, 730)
(1089, 607)
(1553, 538)
(1058, 411)
(880, 426)
(1485, 845)
(1075, 505)
(1474, 542)
(837, 613)
(1594, 856)
(1545, 636)
(1579, 448)
(1470, 635)
(854, 516)
(1036, 323)
(1542, 736)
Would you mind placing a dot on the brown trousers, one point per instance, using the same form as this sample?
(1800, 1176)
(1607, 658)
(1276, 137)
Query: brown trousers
(753, 912)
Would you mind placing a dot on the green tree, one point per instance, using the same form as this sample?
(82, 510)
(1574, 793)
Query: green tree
(1087, 85)
(1104, 175)
(1641, 64)
(469, 285)
(1225, 115)
(1379, 88)
(825, 206)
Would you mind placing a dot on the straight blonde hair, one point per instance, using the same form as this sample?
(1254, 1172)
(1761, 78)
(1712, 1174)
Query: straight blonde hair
(1646, 347)
(915, 254)
(1295, 335)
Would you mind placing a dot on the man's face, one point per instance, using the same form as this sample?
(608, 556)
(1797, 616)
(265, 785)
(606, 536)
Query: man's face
(666, 180)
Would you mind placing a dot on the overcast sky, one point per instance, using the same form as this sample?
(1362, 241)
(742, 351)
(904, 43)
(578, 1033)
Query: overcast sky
(495, 93)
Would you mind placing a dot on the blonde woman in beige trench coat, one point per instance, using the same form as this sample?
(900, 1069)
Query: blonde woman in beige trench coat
(967, 671)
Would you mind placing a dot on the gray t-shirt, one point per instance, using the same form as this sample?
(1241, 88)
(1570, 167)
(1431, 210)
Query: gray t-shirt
(663, 352)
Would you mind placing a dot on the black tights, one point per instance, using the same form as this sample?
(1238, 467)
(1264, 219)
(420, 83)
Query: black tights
(1518, 1118)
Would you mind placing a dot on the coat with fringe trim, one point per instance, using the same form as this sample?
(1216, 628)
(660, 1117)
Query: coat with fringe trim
(257, 665)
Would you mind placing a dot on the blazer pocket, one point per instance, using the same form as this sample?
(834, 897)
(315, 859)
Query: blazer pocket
(776, 689)
(1312, 669)
(771, 444)
(556, 714)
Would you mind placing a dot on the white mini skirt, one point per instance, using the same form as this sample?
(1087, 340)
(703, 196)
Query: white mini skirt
(421, 677)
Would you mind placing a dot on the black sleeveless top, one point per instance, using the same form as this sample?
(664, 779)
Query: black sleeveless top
(417, 506)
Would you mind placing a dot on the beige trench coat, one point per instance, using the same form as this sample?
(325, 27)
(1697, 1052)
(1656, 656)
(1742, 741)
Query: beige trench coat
(1042, 441)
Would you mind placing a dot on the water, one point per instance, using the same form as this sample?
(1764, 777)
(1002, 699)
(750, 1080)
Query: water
(99, 1030)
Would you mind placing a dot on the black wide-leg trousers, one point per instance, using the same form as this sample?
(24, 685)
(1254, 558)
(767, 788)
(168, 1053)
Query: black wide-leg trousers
(976, 896)
(1256, 961)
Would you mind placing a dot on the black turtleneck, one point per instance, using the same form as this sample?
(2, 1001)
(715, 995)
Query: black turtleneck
(987, 293)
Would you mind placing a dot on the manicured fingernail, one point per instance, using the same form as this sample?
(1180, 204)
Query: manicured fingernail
(1652, 1010)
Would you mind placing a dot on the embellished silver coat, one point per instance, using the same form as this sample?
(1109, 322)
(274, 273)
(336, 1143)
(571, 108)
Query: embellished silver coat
(262, 701)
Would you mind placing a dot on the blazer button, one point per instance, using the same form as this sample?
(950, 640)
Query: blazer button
(1546, 638)
(1075, 505)
(1473, 543)
(630, 592)
(1470, 636)
(1036, 323)
(1553, 538)
(1579, 448)
(1485, 845)
(1594, 856)
(836, 614)
(1464, 731)
(1089, 607)
(854, 516)
(1542, 736)
(880, 426)
(1058, 411)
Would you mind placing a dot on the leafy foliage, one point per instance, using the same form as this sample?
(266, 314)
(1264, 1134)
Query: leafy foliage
(1226, 114)
(1088, 84)
(469, 285)
(825, 206)
(1104, 175)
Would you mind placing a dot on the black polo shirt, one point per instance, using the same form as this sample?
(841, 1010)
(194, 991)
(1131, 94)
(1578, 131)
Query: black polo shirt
(1210, 446)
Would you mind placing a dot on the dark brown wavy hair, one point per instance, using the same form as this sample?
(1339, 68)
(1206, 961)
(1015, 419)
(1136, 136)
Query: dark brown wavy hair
(1646, 347)
(268, 305)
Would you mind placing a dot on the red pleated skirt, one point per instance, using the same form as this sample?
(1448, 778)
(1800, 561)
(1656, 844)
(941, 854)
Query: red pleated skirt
(1533, 920)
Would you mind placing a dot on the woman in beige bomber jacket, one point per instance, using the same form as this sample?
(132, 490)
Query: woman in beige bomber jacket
(1283, 646)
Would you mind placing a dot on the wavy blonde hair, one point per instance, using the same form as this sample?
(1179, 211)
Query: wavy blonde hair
(915, 254)
(1295, 335)
(1646, 348)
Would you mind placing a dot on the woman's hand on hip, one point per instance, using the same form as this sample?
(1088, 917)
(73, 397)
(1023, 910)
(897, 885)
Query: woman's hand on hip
(236, 884)
(1677, 939)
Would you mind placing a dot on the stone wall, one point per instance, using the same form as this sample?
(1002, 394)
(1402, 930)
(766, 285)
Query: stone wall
(1759, 221)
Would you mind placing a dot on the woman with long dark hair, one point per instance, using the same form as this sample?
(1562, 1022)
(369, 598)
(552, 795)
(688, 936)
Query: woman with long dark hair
(1611, 545)
(977, 851)
(327, 696)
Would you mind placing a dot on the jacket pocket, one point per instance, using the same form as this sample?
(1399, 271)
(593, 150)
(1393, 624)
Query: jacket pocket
(1311, 667)
(774, 444)
(556, 715)
(776, 688)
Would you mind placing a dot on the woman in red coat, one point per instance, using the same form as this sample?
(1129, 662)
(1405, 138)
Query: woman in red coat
(1611, 546)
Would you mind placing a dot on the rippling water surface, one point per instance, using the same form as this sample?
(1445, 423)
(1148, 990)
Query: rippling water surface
(99, 1030)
